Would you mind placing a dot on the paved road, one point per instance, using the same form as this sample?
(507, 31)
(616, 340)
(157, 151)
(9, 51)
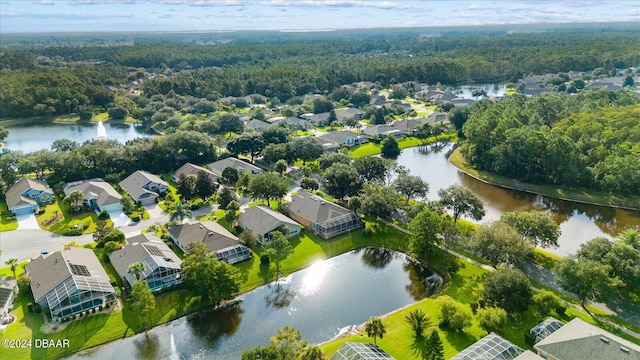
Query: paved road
(24, 244)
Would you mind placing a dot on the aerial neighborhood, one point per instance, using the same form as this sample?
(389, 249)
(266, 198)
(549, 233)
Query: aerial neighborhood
(469, 207)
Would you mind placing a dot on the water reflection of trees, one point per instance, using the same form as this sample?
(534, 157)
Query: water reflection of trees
(279, 297)
(422, 281)
(148, 347)
(212, 325)
(376, 257)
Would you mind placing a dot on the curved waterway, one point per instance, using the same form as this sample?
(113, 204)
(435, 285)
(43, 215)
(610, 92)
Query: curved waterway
(321, 301)
(579, 222)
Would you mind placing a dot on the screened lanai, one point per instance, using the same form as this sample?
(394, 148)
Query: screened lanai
(490, 347)
(337, 225)
(360, 351)
(546, 328)
(79, 293)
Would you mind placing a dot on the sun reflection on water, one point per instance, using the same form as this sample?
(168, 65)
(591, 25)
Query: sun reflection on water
(314, 277)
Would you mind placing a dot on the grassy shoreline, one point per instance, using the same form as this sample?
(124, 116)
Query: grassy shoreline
(583, 196)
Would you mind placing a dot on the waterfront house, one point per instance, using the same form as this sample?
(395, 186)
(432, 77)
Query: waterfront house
(325, 218)
(161, 264)
(263, 220)
(70, 282)
(144, 187)
(26, 196)
(220, 241)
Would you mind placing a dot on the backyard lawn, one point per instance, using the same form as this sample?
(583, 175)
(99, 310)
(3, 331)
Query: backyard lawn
(6, 225)
(57, 218)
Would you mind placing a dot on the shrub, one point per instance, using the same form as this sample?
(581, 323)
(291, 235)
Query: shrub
(75, 231)
(453, 314)
(546, 301)
(24, 283)
(560, 310)
(529, 338)
(264, 260)
(104, 215)
(491, 319)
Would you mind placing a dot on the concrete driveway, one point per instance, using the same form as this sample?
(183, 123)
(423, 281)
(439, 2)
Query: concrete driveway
(119, 218)
(154, 211)
(27, 222)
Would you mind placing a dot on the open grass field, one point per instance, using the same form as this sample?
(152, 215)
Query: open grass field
(572, 194)
(370, 148)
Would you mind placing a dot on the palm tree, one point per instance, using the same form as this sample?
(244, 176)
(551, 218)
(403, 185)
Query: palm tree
(418, 321)
(75, 199)
(12, 262)
(631, 237)
(374, 328)
(180, 212)
(136, 269)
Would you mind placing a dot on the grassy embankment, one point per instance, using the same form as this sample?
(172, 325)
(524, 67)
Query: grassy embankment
(63, 119)
(571, 194)
(370, 148)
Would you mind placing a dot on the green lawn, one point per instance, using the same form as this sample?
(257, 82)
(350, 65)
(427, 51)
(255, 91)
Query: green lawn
(407, 142)
(86, 219)
(573, 194)
(6, 225)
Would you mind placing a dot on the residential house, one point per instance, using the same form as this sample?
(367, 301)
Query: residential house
(337, 139)
(316, 119)
(263, 220)
(191, 169)
(348, 113)
(325, 218)
(408, 126)
(610, 84)
(98, 194)
(8, 291)
(241, 166)
(462, 102)
(360, 351)
(257, 124)
(218, 240)
(291, 122)
(70, 282)
(144, 187)
(366, 85)
(580, 340)
(382, 131)
(437, 116)
(377, 100)
(26, 196)
(161, 264)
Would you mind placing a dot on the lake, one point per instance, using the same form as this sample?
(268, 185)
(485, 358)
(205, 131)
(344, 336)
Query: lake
(34, 137)
(579, 223)
(320, 301)
(494, 90)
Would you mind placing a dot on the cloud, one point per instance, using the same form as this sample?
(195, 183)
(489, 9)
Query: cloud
(165, 16)
(339, 4)
(44, 2)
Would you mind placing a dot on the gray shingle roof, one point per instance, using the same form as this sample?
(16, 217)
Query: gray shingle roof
(337, 136)
(314, 208)
(47, 272)
(214, 235)
(262, 219)
(105, 193)
(581, 340)
(13, 194)
(242, 166)
(147, 249)
(191, 169)
(133, 184)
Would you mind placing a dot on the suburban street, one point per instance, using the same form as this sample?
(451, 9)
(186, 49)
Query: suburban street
(24, 244)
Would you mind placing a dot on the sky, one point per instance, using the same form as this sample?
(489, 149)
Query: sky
(46, 16)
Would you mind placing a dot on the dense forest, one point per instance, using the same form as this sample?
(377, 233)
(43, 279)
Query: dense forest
(49, 79)
(591, 139)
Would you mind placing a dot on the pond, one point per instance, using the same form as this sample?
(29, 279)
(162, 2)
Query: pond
(34, 137)
(321, 301)
(495, 90)
(578, 222)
